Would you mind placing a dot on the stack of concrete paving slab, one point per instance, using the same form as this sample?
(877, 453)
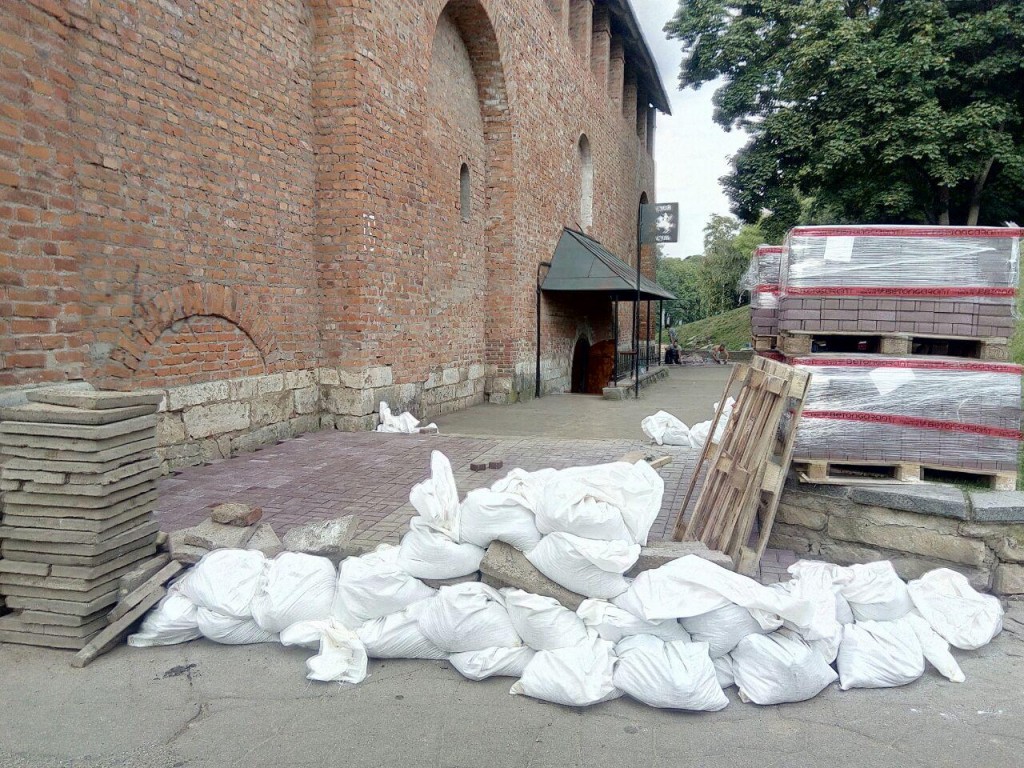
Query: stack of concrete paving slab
(79, 476)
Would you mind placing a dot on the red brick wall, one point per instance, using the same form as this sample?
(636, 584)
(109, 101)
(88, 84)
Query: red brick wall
(292, 168)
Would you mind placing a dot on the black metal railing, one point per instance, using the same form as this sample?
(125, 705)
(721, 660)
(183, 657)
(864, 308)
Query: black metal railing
(649, 354)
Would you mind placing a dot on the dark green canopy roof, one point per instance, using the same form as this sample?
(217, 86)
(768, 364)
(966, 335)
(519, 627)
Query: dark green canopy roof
(581, 263)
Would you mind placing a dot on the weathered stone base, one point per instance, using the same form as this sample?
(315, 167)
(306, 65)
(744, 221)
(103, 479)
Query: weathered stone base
(917, 527)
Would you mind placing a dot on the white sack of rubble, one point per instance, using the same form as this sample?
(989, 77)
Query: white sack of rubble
(294, 587)
(613, 623)
(616, 501)
(668, 675)
(723, 628)
(825, 631)
(543, 623)
(492, 662)
(690, 586)
(879, 654)
(876, 593)
(665, 429)
(225, 581)
(405, 423)
(173, 621)
(963, 617)
(699, 432)
(577, 676)
(374, 585)
(527, 487)
(437, 498)
(935, 649)
(467, 617)
(230, 630)
(304, 634)
(585, 566)
(342, 658)
(427, 553)
(779, 668)
(398, 636)
(724, 671)
(486, 515)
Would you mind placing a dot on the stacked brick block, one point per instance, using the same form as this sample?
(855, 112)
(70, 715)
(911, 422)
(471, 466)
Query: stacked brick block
(762, 280)
(928, 411)
(942, 282)
(79, 479)
(923, 300)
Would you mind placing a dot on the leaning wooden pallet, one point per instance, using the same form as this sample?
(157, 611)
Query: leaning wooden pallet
(744, 480)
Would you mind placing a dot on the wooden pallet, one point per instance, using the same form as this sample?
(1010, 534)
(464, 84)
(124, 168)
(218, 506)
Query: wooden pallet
(744, 480)
(993, 349)
(830, 472)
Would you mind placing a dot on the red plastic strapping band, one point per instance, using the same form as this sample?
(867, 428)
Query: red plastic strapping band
(916, 422)
(934, 291)
(766, 249)
(767, 288)
(950, 232)
(916, 363)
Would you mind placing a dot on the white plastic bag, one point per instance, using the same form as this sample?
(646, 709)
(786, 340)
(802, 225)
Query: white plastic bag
(527, 487)
(779, 668)
(467, 617)
(172, 621)
(304, 634)
(437, 498)
(669, 675)
(876, 593)
(543, 623)
(294, 587)
(665, 429)
(374, 585)
(613, 623)
(586, 566)
(724, 671)
(879, 654)
(427, 553)
(230, 630)
(487, 516)
(342, 658)
(963, 617)
(225, 581)
(398, 636)
(690, 586)
(617, 501)
(492, 662)
(723, 628)
(699, 432)
(935, 649)
(577, 676)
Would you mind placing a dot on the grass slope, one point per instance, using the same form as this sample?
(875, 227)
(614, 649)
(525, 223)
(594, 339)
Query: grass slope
(731, 328)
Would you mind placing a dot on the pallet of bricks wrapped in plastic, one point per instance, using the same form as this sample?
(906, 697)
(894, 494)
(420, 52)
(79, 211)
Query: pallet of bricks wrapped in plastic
(79, 479)
(899, 290)
(762, 280)
(910, 414)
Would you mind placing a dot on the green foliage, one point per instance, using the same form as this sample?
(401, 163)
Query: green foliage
(731, 328)
(680, 276)
(865, 110)
(728, 246)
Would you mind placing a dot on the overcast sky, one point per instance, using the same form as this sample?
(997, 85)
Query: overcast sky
(691, 151)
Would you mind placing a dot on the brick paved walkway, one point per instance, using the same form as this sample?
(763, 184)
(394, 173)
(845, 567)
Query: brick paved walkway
(330, 474)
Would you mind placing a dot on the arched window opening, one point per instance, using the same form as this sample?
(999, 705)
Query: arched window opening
(586, 183)
(465, 192)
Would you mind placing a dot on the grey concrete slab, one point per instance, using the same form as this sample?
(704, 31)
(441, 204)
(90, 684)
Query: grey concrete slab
(9, 429)
(46, 413)
(925, 499)
(997, 506)
(96, 399)
(119, 453)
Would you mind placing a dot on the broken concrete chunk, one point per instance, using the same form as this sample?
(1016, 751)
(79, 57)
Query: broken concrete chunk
(438, 583)
(186, 554)
(138, 575)
(657, 553)
(478, 466)
(209, 535)
(506, 566)
(327, 538)
(266, 541)
(232, 513)
(495, 464)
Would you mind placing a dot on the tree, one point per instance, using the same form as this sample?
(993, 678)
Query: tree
(681, 277)
(888, 111)
(728, 246)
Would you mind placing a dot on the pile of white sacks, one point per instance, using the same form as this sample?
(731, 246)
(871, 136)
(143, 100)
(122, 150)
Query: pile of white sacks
(665, 429)
(673, 637)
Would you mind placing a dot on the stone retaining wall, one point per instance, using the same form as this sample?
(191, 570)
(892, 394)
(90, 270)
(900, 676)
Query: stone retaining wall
(917, 527)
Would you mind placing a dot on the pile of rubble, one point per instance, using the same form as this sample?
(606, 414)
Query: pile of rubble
(576, 604)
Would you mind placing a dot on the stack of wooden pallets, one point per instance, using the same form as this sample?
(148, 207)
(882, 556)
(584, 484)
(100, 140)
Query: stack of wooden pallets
(79, 481)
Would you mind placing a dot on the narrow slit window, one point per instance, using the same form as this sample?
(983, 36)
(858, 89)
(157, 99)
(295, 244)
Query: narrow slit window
(465, 193)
